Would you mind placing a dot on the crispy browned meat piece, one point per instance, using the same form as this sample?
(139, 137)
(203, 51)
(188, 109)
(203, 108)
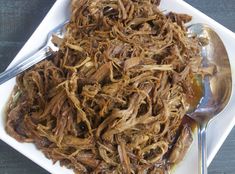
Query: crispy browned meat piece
(181, 146)
(113, 98)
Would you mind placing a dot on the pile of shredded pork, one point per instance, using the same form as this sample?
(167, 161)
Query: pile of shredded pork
(112, 99)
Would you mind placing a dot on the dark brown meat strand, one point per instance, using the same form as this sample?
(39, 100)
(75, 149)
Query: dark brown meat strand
(112, 99)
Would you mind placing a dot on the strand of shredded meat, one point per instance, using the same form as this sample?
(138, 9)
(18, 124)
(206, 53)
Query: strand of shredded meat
(113, 98)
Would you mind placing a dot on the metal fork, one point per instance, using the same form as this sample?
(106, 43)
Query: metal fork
(47, 50)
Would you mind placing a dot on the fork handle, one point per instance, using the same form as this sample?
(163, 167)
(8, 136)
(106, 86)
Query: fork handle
(25, 64)
(202, 148)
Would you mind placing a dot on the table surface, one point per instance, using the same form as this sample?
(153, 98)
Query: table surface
(18, 20)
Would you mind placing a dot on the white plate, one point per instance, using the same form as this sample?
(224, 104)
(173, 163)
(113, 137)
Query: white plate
(217, 131)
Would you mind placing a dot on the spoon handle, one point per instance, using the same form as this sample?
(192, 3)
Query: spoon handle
(25, 64)
(202, 149)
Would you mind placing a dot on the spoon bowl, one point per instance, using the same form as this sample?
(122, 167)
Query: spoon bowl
(217, 87)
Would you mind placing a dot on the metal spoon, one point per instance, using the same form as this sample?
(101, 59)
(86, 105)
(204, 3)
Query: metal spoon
(47, 50)
(217, 88)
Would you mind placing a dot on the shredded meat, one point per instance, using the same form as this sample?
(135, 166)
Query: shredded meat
(181, 146)
(112, 99)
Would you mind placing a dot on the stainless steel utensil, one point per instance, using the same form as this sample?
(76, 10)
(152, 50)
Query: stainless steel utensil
(217, 88)
(48, 49)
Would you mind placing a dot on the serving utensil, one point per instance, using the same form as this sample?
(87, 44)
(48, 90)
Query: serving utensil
(217, 88)
(47, 50)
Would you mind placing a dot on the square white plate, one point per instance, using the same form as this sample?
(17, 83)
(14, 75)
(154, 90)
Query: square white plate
(217, 132)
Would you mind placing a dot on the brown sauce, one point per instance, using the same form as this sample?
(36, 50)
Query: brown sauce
(195, 88)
